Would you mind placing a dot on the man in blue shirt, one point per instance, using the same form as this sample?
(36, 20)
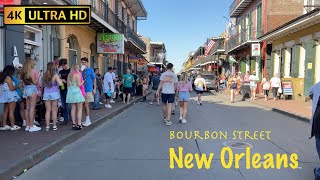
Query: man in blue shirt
(90, 86)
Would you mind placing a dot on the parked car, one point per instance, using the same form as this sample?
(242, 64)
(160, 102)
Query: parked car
(211, 82)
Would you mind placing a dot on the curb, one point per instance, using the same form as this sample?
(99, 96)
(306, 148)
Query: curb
(41, 154)
(288, 114)
(301, 118)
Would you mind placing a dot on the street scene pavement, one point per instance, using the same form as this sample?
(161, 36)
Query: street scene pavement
(135, 145)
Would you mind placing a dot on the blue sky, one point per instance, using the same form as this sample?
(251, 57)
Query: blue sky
(183, 25)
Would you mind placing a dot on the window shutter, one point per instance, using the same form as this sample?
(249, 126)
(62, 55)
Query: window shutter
(272, 64)
(295, 61)
(250, 25)
(259, 21)
(283, 59)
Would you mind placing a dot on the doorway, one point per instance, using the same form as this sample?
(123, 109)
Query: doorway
(72, 57)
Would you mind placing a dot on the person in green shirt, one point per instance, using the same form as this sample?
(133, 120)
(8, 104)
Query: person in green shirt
(128, 79)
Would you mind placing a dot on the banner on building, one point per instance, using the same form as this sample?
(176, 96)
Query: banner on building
(110, 43)
(255, 49)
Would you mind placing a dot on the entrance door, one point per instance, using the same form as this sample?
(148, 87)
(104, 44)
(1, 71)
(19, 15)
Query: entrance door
(72, 57)
(309, 67)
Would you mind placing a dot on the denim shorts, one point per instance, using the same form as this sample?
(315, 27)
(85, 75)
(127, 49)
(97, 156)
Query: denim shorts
(51, 96)
(29, 90)
(184, 97)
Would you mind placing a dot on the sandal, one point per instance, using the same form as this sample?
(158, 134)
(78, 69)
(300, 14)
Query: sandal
(74, 127)
(79, 127)
(55, 128)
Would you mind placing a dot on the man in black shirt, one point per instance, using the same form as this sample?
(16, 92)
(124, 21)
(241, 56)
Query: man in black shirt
(64, 77)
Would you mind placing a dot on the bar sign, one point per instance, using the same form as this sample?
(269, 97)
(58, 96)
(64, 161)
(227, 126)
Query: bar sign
(47, 15)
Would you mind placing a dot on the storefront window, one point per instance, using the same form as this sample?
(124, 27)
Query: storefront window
(29, 35)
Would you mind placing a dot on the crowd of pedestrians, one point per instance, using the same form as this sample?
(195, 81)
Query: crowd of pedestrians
(60, 90)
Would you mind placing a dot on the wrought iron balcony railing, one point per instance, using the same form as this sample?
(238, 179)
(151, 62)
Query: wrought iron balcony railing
(218, 46)
(131, 35)
(101, 8)
(246, 35)
(238, 6)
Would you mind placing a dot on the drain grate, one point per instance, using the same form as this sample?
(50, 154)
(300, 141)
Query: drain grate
(237, 144)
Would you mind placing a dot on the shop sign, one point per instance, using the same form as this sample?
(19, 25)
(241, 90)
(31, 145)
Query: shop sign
(28, 49)
(287, 87)
(142, 62)
(255, 49)
(110, 43)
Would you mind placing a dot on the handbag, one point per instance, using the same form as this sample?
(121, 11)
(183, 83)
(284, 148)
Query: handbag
(280, 90)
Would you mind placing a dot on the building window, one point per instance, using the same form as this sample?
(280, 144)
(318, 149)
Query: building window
(29, 35)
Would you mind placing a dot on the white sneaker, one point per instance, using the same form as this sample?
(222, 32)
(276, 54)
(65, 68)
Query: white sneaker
(5, 128)
(168, 123)
(24, 123)
(27, 128)
(100, 103)
(87, 123)
(15, 127)
(198, 102)
(34, 128)
(183, 121)
(108, 106)
(151, 103)
(36, 123)
(61, 119)
(112, 101)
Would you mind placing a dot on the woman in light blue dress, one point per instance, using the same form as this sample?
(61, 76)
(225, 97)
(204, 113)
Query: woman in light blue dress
(75, 97)
(8, 96)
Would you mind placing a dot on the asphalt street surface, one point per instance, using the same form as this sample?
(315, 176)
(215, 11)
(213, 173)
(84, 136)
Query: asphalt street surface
(135, 145)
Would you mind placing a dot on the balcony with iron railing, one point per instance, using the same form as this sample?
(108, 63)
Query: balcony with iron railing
(237, 7)
(249, 35)
(102, 10)
(132, 36)
(218, 47)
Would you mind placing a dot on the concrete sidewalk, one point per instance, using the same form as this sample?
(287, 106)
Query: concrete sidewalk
(293, 108)
(22, 150)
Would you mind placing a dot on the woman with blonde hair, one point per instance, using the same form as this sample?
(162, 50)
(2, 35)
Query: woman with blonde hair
(75, 97)
(51, 94)
(30, 93)
(184, 87)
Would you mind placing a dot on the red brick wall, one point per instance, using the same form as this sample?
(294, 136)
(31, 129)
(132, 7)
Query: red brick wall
(282, 11)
